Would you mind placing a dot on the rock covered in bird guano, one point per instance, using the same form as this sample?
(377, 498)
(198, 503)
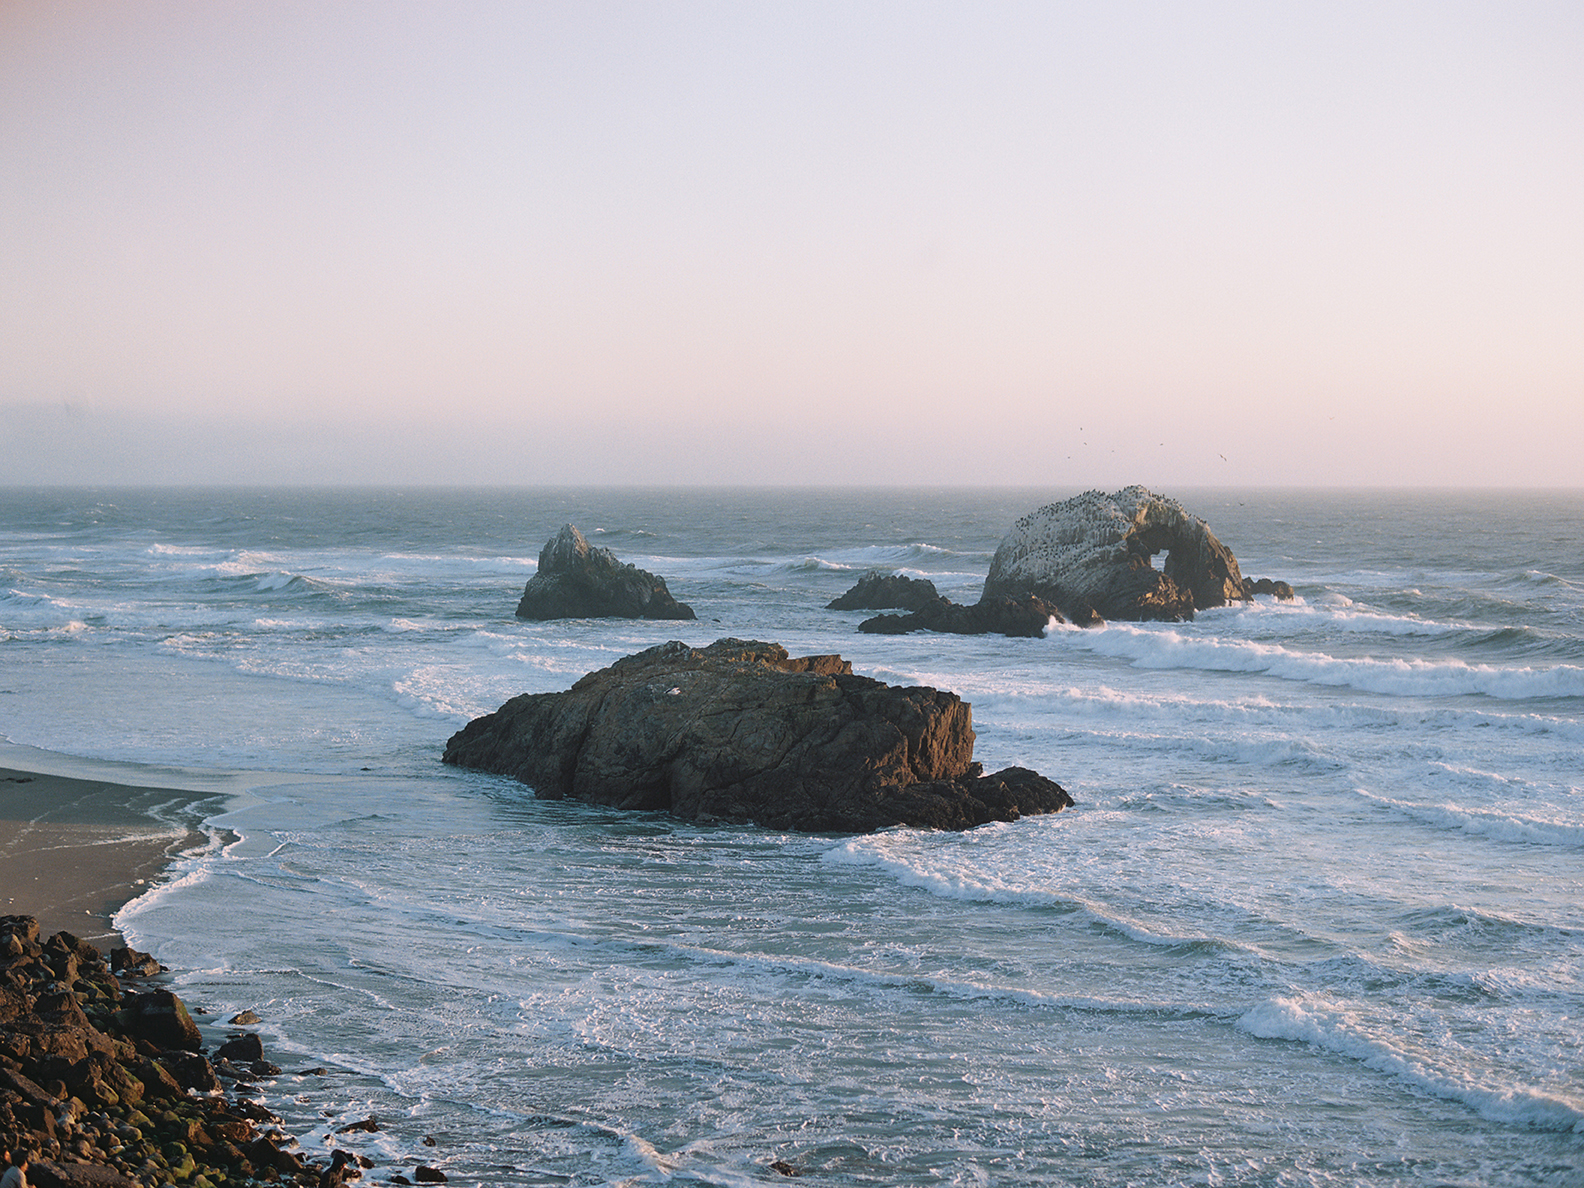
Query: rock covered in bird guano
(878, 590)
(1000, 614)
(740, 731)
(1093, 555)
(578, 581)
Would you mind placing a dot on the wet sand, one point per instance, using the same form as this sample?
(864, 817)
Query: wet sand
(73, 851)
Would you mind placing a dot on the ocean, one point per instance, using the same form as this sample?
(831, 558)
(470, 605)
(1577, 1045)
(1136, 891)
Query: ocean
(1317, 917)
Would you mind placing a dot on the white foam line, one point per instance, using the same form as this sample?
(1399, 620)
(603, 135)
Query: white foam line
(1331, 1028)
(1399, 677)
(1485, 822)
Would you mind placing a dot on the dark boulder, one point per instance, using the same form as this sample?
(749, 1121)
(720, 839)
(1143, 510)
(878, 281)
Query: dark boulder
(1281, 591)
(244, 1048)
(50, 1173)
(1025, 617)
(128, 962)
(887, 591)
(161, 1018)
(577, 581)
(1094, 554)
(191, 1070)
(740, 731)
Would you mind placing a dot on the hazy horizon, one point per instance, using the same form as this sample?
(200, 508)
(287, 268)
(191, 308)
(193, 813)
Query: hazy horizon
(1042, 245)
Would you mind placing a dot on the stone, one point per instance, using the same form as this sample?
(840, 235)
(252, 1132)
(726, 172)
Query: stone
(266, 1152)
(577, 581)
(244, 1048)
(1025, 617)
(191, 1070)
(158, 1083)
(1093, 554)
(25, 1089)
(741, 731)
(48, 1173)
(877, 590)
(337, 1173)
(131, 963)
(162, 1019)
(1280, 591)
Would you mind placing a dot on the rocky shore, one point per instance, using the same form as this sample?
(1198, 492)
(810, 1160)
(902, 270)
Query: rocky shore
(105, 1079)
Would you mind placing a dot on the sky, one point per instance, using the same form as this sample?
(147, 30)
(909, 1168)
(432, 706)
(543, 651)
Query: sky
(1054, 244)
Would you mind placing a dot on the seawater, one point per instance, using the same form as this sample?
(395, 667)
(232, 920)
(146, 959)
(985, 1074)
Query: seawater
(1315, 920)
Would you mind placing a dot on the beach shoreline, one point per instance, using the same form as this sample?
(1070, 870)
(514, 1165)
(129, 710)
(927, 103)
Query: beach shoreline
(75, 850)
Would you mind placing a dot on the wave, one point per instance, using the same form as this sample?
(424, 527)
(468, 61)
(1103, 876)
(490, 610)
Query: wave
(1539, 578)
(903, 558)
(1340, 615)
(985, 887)
(1402, 677)
(23, 608)
(1446, 920)
(1492, 823)
(1326, 1023)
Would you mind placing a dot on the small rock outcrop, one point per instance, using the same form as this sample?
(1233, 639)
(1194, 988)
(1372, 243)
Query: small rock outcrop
(741, 731)
(878, 590)
(1027, 617)
(578, 581)
(1280, 591)
(1093, 555)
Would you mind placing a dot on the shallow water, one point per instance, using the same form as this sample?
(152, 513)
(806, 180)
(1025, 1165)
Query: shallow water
(1315, 919)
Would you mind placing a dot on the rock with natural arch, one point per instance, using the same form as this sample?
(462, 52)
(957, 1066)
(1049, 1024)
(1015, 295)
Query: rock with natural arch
(1094, 555)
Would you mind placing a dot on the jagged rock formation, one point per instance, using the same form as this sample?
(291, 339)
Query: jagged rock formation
(877, 590)
(740, 731)
(577, 581)
(1002, 614)
(1093, 555)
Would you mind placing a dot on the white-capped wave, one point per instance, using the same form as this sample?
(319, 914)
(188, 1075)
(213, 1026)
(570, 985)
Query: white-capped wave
(941, 878)
(1328, 1023)
(1493, 823)
(1404, 677)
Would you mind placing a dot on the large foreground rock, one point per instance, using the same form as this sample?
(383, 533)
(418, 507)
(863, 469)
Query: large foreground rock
(740, 731)
(1094, 554)
(577, 581)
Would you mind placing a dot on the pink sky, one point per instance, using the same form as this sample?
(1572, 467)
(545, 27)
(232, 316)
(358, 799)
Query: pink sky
(1077, 245)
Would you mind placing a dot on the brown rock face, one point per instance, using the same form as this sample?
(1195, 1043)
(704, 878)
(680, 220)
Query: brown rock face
(740, 731)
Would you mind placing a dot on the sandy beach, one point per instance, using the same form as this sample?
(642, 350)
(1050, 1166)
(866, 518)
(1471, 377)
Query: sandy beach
(73, 851)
